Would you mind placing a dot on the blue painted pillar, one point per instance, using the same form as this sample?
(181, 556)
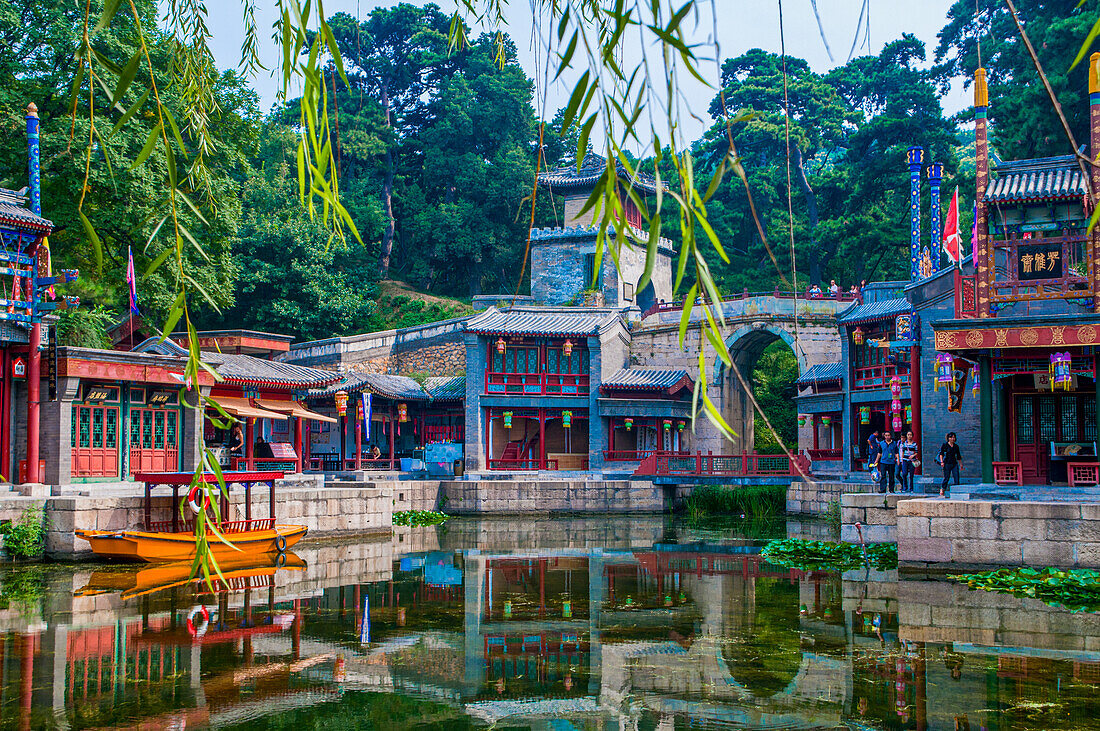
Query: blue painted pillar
(35, 182)
(935, 176)
(915, 157)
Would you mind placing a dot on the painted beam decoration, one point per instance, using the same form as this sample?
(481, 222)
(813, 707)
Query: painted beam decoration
(1040, 336)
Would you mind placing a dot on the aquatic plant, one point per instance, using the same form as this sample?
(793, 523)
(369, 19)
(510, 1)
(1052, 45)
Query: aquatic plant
(23, 586)
(829, 555)
(419, 517)
(26, 537)
(756, 501)
(1078, 590)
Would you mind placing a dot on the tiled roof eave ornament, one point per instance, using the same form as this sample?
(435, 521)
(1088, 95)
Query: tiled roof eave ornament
(592, 167)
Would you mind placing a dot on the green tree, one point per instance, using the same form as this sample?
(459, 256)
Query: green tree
(1022, 119)
(774, 388)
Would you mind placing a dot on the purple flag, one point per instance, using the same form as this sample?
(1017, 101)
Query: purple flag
(132, 281)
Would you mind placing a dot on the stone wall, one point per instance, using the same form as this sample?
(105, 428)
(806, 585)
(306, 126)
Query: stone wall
(436, 349)
(813, 498)
(877, 514)
(531, 532)
(984, 533)
(519, 497)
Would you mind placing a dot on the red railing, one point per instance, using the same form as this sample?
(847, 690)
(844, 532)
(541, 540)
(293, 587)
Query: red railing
(627, 455)
(439, 433)
(555, 384)
(825, 455)
(232, 526)
(878, 376)
(699, 464)
(282, 464)
(523, 464)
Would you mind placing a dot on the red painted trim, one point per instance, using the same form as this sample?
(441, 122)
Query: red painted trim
(184, 478)
(134, 372)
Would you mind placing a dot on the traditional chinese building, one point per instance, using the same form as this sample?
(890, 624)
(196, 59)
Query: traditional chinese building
(564, 258)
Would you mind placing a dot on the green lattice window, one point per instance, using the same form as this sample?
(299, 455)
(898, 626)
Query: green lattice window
(97, 428)
(158, 429)
(111, 428)
(170, 429)
(147, 430)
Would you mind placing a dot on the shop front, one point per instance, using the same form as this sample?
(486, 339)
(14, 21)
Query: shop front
(520, 439)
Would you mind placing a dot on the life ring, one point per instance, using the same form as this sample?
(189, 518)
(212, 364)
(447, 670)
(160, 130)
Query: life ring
(280, 543)
(193, 499)
(280, 560)
(199, 631)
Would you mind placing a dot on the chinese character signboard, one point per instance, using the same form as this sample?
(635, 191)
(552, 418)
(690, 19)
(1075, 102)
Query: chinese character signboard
(1039, 261)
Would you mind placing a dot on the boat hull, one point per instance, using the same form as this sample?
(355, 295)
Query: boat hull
(136, 545)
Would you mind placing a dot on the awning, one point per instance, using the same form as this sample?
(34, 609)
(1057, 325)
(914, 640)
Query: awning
(243, 408)
(294, 408)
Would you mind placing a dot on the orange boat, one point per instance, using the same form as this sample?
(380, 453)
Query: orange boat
(237, 574)
(175, 540)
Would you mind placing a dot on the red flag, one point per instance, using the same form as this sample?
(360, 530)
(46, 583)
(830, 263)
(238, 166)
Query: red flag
(951, 230)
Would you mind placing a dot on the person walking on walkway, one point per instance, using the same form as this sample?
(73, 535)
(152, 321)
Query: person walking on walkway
(907, 451)
(951, 459)
(887, 461)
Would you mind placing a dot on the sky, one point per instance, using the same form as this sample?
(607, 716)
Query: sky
(742, 25)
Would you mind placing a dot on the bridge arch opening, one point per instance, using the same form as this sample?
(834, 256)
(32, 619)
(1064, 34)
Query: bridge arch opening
(766, 358)
(764, 655)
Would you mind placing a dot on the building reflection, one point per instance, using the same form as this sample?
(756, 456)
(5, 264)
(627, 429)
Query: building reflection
(643, 633)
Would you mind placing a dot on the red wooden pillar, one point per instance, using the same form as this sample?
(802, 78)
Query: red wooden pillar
(248, 442)
(34, 388)
(813, 421)
(358, 436)
(393, 434)
(5, 414)
(296, 639)
(26, 677)
(914, 398)
(542, 439)
(298, 444)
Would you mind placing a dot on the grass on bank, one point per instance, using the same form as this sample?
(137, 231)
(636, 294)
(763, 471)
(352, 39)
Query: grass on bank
(749, 501)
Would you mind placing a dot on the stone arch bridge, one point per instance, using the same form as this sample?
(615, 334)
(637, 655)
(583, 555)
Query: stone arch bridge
(753, 321)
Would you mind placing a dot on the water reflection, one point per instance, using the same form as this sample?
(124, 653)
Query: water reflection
(555, 624)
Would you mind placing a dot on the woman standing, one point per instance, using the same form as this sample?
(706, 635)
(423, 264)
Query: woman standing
(908, 451)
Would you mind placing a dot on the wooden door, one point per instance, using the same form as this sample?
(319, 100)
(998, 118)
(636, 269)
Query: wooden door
(154, 440)
(94, 441)
(1025, 448)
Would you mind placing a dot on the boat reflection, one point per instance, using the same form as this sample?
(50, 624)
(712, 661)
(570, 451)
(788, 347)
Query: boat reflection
(647, 631)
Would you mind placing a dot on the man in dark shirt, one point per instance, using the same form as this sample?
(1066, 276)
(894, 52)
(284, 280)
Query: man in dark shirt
(951, 459)
(886, 457)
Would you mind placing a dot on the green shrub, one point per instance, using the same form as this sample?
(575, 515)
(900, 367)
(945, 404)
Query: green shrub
(26, 537)
(755, 501)
(419, 517)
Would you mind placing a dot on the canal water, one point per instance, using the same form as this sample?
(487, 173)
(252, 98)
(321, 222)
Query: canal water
(579, 623)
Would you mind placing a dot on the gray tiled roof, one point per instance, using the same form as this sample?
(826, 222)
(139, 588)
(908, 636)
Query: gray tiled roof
(541, 321)
(644, 379)
(245, 369)
(874, 311)
(446, 388)
(1039, 179)
(13, 213)
(379, 384)
(821, 372)
(592, 168)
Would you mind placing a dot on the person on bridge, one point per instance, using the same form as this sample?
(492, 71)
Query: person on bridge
(834, 288)
(886, 458)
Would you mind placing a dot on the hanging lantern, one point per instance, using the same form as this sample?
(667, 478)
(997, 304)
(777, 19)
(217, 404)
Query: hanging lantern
(501, 345)
(1061, 368)
(895, 406)
(857, 336)
(667, 424)
(895, 386)
(341, 398)
(864, 414)
(802, 420)
(507, 419)
(402, 413)
(567, 419)
(567, 348)
(945, 371)
(897, 422)
(680, 425)
(628, 422)
(567, 609)
(507, 609)
(909, 414)
(826, 420)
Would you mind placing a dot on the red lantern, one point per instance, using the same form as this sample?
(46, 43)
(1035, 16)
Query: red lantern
(341, 398)
(501, 345)
(857, 336)
(567, 348)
